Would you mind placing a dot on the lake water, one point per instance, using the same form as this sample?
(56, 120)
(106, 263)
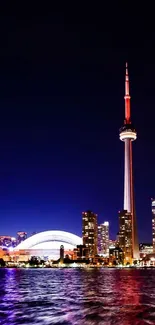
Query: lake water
(77, 296)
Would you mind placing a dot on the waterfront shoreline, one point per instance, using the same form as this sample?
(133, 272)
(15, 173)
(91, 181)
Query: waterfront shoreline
(78, 267)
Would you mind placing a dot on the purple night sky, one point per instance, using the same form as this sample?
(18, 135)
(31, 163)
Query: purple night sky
(62, 104)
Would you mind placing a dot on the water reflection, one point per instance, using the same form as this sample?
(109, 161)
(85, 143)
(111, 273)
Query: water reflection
(74, 296)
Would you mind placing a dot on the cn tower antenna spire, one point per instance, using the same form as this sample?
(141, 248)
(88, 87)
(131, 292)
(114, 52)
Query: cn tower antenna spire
(127, 98)
(126, 68)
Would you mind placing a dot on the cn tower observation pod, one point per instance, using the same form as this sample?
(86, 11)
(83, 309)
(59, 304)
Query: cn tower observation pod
(127, 132)
(48, 243)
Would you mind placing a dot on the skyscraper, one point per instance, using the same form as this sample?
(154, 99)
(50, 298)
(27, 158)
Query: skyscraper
(89, 232)
(128, 134)
(103, 238)
(125, 235)
(153, 223)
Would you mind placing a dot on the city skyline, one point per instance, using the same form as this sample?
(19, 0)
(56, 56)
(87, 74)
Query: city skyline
(124, 193)
(61, 106)
(73, 187)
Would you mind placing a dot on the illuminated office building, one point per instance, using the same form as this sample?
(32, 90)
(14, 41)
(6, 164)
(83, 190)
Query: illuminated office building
(103, 239)
(89, 232)
(81, 252)
(153, 223)
(116, 256)
(113, 243)
(125, 234)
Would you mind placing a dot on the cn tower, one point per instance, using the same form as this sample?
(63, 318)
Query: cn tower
(128, 134)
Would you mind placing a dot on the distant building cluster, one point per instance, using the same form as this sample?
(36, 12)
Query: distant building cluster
(95, 237)
(95, 247)
(11, 242)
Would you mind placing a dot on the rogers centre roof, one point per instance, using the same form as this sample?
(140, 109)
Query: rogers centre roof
(50, 239)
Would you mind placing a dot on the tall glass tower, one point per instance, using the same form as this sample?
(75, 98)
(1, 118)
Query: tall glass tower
(103, 238)
(89, 232)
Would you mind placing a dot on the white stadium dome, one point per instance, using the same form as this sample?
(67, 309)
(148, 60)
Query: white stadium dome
(47, 243)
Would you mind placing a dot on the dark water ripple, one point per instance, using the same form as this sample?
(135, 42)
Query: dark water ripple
(74, 296)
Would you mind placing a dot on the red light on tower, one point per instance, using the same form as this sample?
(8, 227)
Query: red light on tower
(127, 98)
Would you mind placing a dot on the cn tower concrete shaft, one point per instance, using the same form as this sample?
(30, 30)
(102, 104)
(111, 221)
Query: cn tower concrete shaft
(127, 175)
(128, 134)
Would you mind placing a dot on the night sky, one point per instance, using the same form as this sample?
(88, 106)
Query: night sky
(61, 106)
